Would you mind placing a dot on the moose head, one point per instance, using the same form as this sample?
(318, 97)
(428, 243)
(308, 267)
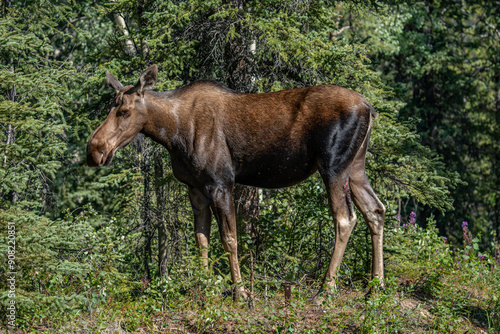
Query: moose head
(126, 118)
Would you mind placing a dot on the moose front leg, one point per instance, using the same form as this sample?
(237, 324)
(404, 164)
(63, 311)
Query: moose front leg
(202, 221)
(223, 209)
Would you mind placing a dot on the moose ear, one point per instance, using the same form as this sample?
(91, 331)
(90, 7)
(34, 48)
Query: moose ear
(113, 82)
(148, 79)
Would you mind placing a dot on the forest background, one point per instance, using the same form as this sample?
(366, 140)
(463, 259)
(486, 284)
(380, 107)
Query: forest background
(90, 241)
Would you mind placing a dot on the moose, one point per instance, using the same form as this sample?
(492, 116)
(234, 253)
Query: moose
(217, 137)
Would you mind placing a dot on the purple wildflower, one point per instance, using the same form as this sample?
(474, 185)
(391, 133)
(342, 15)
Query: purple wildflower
(481, 257)
(445, 239)
(467, 235)
(413, 218)
(404, 225)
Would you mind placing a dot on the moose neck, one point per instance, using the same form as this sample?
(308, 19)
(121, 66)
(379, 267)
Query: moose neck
(162, 119)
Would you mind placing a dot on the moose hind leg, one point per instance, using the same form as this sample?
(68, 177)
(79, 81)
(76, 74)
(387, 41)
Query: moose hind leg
(374, 214)
(344, 219)
(371, 208)
(223, 209)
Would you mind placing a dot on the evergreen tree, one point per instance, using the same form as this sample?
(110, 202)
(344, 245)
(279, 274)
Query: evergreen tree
(35, 91)
(444, 58)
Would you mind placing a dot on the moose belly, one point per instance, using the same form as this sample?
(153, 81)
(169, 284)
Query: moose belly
(274, 170)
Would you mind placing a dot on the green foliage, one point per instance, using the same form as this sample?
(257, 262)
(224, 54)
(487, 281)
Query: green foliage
(30, 111)
(428, 288)
(402, 167)
(48, 273)
(34, 91)
(444, 60)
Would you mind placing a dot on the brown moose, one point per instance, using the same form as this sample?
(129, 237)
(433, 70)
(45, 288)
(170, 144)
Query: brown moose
(217, 137)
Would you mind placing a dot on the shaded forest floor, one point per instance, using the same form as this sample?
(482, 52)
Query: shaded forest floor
(405, 307)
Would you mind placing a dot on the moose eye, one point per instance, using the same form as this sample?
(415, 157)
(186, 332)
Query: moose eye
(125, 112)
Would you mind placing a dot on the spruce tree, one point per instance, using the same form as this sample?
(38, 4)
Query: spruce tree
(443, 58)
(35, 91)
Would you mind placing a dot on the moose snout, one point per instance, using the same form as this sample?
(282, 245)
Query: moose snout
(94, 154)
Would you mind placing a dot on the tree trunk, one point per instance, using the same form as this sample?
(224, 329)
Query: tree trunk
(146, 218)
(6, 6)
(140, 19)
(161, 213)
(129, 49)
(247, 206)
